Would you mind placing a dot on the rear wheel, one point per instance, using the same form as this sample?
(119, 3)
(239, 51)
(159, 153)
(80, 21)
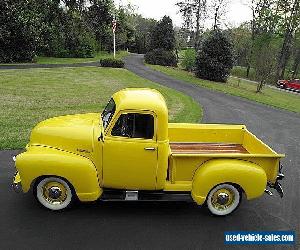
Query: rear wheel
(223, 199)
(54, 193)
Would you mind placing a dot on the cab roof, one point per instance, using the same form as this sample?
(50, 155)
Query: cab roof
(140, 99)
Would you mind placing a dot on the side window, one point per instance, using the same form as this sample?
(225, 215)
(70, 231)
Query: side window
(134, 125)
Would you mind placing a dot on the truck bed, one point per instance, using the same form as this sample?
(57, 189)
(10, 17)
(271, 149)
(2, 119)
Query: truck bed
(206, 148)
(193, 144)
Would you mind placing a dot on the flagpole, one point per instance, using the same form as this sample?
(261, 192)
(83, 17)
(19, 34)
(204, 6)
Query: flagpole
(114, 45)
(114, 35)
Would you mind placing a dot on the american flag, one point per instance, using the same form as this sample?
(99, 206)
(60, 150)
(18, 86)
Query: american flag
(114, 26)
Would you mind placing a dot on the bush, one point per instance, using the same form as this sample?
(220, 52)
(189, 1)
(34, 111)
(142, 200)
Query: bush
(110, 62)
(189, 59)
(215, 57)
(161, 57)
(17, 32)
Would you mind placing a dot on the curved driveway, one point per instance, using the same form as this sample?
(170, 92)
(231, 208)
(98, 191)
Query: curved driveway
(278, 128)
(168, 225)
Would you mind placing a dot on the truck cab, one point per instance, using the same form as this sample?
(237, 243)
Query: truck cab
(135, 130)
(131, 152)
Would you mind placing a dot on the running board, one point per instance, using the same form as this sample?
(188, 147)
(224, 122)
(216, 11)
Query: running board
(130, 195)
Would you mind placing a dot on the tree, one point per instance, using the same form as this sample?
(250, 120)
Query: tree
(193, 13)
(99, 17)
(125, 27)
(296, 55)
(215, 57)
(265, 30)
(162, 44)
(291, 11)
(163, 35)
(143, 28)
(219, 9)
(18, 32)
(242, 43)
(264, 59)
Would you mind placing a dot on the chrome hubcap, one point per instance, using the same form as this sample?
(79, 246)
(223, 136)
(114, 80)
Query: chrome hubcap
(222, 199)
(54, 192)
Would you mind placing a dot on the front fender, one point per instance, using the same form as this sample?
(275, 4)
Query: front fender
(44, 161)
(249, 176)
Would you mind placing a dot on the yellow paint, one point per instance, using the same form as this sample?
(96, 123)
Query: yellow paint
(80, 171)
(70, 147)
(249, 176)
(178, 186)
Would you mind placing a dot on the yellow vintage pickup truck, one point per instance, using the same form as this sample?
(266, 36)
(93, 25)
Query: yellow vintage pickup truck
(131, 152)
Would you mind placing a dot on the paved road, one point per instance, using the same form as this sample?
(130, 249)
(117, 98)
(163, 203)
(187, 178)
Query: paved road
(144, 225)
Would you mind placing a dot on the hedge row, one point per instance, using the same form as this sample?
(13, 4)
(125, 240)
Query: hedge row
(113, 63)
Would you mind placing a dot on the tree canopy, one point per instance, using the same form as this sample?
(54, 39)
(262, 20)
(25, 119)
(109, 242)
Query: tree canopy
(68, 28)
(163, 35)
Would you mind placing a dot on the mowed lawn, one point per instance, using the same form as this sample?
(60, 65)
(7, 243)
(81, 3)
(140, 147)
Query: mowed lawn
(97, 57)
(241, 88)
(32, 95)
(71, 60)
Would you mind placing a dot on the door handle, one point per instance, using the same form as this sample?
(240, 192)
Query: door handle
(150, 148)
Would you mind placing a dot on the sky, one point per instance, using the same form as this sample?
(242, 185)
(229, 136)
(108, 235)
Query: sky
(238, 11)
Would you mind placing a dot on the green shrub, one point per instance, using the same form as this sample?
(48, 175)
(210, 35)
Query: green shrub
(215, 57)
(189, 59)
(17, 32)
(161, 57)
(113, 63)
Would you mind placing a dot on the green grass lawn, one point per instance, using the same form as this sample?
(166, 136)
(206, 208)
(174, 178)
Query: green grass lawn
(57, 60)
(30, 96)
(242, 88)
(240, 71)
(97, 57)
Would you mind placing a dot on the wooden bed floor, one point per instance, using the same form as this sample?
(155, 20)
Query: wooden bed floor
(206, 148)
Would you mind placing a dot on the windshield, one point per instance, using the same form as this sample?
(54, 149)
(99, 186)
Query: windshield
(108, 113)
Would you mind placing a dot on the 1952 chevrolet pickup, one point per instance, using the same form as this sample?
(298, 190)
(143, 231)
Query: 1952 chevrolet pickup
(131, 152)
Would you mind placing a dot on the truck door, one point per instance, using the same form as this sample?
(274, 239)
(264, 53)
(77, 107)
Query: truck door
(130, 152)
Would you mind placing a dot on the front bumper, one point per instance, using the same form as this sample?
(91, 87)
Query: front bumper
(16, 185)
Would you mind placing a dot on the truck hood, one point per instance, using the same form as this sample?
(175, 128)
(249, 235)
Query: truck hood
(74, 133)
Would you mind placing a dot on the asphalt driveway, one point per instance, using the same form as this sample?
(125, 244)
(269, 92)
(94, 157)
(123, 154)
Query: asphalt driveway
(168, 225)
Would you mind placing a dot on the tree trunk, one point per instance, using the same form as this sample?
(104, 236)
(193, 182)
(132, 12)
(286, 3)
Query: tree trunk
(284, 54)
(216, 18)
(296, 64)
(248, 71)
(197, 24)
(200, 10)
(260, 86)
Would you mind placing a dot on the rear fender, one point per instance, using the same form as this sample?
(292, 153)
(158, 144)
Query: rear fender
(79, 171)
(249, 176)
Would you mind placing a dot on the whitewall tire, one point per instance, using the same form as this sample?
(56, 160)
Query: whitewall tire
(54, 193)
(223, 199)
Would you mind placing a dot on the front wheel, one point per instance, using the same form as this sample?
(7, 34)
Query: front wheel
(54, 193)
(223, 199)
